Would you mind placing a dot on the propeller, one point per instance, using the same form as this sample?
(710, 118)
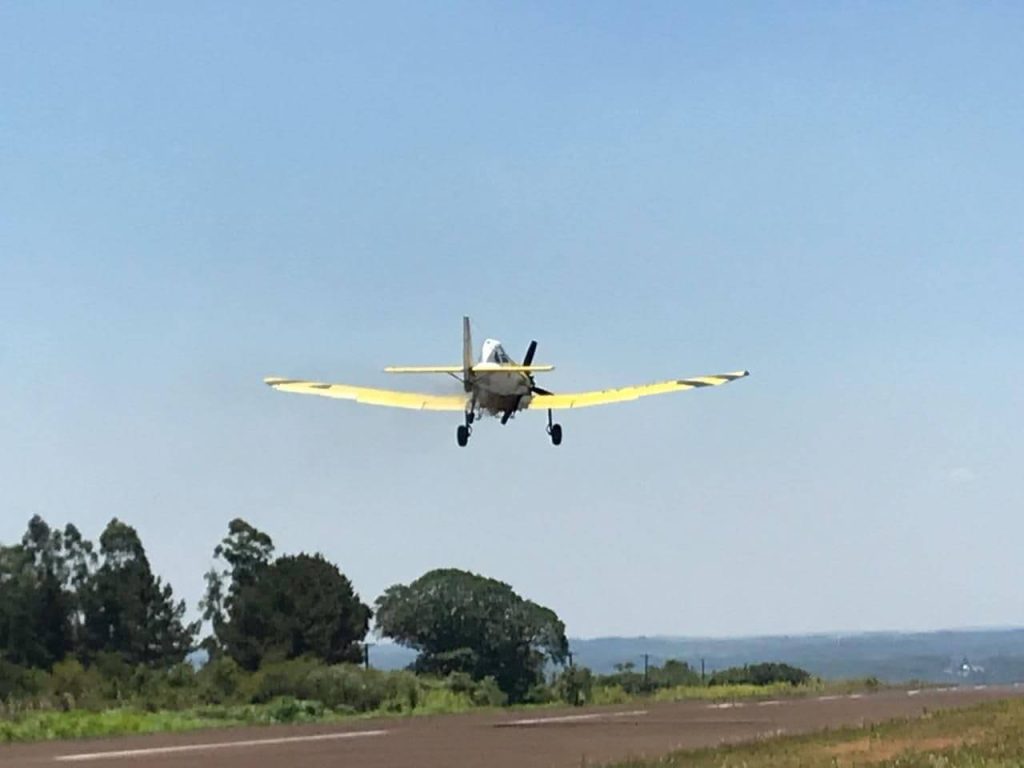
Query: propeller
(528, 360)
(530, 351)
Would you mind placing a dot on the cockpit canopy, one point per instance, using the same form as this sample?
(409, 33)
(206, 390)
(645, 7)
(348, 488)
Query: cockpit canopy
(493, 352)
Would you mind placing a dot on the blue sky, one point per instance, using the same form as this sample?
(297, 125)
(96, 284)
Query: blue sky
(830, 195)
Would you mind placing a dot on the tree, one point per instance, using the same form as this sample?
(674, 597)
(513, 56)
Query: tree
(128, 610)
(39, 608)
(247, 551)
(463, 622)
(299, 605)
(293, 606)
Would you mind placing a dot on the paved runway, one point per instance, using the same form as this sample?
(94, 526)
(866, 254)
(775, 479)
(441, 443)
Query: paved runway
(537, 739)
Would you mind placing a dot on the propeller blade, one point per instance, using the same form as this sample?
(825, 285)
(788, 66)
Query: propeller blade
(541, 391)
(529, 353)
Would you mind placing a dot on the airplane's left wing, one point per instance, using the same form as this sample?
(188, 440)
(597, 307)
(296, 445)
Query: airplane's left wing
(387, 397)
(625, 394)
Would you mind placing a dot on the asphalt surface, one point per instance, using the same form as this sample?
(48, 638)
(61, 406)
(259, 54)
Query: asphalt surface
(567, 738)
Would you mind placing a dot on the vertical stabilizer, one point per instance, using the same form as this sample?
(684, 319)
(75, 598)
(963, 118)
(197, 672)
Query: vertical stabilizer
(467, 354)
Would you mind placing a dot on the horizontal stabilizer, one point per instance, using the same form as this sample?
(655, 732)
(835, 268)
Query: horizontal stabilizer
(502, 368)
(423, 369)
(478, 368)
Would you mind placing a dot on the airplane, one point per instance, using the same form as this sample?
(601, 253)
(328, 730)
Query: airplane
(496, 385)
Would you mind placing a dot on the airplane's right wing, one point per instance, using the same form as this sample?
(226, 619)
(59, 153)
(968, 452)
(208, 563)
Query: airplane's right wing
(369, 396)
(625, 394)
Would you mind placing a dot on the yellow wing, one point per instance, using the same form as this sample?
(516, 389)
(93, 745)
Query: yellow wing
(388, 397)
(623, 394)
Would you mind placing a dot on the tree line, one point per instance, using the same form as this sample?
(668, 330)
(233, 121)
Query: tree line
(63, 597)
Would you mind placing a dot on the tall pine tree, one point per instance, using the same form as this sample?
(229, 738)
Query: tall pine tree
(128, 610)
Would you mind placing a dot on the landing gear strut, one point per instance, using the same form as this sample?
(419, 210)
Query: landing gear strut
(465, 430)
(555, 430)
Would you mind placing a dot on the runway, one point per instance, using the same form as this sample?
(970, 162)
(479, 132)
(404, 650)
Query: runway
(553, 738)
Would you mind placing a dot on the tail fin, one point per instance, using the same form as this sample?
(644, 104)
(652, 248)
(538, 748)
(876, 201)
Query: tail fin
(467, 354)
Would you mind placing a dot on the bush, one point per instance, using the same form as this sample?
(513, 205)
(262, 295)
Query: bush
(575, 686)
(18, 683)
(482, 693)
(74, 686)
(609, 694)
(488, 694)
(438, 700)
(672, 674)
(341, 686)
(292, 710)
(222, 681)
(284, 678)
(171, 689)
(761, 674)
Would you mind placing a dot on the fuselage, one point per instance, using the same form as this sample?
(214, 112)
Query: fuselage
(494, 390)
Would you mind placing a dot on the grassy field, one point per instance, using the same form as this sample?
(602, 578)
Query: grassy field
(47, 724)
(615, 695)
(986, 736)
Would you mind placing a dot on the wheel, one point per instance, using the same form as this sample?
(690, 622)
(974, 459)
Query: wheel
(556, 434)
(462, 435)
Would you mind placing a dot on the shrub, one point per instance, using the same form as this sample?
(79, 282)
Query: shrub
(222, 681)
(575, 685)
(291, 710)
(488, 694)
(171, 689)
(609, 694)
(284, 678)
(74, 686)
(18, 683)
(761, 674)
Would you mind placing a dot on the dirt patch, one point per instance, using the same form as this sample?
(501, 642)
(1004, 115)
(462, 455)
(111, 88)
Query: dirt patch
(878, 750)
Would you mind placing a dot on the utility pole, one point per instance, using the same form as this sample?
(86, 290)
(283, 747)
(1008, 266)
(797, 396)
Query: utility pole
(702, 670)
(366, 655)
(646, 657)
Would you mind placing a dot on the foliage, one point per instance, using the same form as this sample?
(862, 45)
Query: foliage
(462, 622)
(294, 606)
(575, 685)
(127, 610)
(247, 551)
(46, 725)
(673, 673)
(41, 580)
(760, 674)
(55, 602)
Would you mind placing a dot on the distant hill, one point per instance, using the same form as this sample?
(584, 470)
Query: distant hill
(977, 656)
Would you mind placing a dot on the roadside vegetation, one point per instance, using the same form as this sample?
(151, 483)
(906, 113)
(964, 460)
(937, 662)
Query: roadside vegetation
(988, 735)
(93, 643)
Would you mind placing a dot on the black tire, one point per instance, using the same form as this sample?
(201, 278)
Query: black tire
(462, 435)
(556, 434)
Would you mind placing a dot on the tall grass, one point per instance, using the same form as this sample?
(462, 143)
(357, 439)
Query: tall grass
(988, 735)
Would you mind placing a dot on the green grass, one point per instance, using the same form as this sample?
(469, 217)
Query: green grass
(48, 724)
(45, 725)
(985, 736)
(616, 695)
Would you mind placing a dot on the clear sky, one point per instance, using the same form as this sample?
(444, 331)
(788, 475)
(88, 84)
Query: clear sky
(194, 196)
